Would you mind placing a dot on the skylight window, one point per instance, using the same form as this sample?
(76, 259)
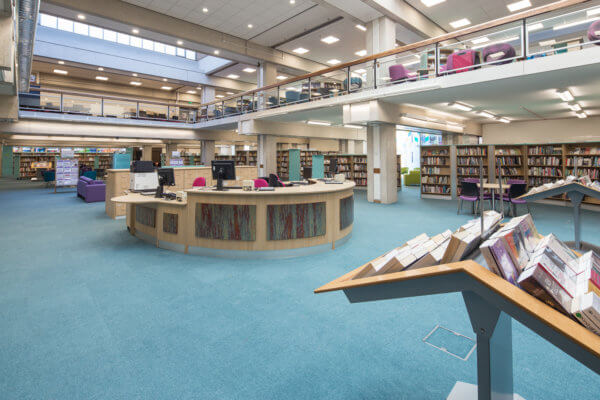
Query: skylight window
(80, 28)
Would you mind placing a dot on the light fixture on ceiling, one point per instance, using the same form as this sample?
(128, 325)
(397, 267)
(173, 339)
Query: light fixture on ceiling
(333, 61)
(134, 74)
(360, 71)
(574, 107)
(216, 52)
(233, 76)
(486, 114)
(180, 42)
(204, 10)
(81, 17)
(431, 3)
(361, 53)
(100, 69)
(135, 31)
(191, 92)
(230, 93)
(250, 26)
(330, 39)
(249, 70)
(166, 87)
(101, 78)
(60, 72)
(353, 126)
(581, 114)
(504, 40)
(518, 5)
(135, 83)
(322, 123)
(460, 106)
(535, 27)
(292, 1)
(460, 23)
(220, 96)
(281, 77)
(480, 40)
(361, 27)
(61, 62)
(300, 50)
(164, 79)
(199, 88)
(565, 95)
(504, 120)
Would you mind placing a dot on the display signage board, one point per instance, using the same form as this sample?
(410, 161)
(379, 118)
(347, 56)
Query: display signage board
(176, 162)
(67, 172)
(66, 152)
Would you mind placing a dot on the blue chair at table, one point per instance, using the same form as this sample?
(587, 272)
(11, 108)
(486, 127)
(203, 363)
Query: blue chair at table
(355, 83)
(49, 177)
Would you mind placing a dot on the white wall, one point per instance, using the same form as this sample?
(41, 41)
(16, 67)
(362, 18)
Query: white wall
(544, 131)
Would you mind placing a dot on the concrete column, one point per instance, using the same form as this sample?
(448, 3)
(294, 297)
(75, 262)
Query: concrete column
(381, 36)
(381, 164)
(267, 155)
(266, 75)
(347, 146)
(208, 95)
(207, 151)
(147, 153)
(360, 147)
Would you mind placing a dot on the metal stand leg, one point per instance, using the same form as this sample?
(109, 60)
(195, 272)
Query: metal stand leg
(494, 348)
(459, 206)
(576, 198)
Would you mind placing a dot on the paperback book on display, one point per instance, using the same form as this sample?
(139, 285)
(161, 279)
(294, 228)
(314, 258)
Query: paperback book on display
(584, 180)
(469, 236)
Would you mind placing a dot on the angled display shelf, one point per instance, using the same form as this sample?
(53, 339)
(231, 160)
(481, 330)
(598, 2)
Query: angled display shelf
(491, 302)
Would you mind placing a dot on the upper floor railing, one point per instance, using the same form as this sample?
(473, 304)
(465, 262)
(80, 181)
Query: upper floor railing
(560, 27)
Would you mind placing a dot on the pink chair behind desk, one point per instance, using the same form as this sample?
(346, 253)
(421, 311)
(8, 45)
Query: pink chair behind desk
(258, 183)
(199, 182)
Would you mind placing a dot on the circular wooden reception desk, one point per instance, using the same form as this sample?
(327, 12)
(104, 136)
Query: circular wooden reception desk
(286, 222)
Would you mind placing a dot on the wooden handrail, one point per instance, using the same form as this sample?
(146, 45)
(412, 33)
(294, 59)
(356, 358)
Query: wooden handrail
(507, 291)
(448, 36)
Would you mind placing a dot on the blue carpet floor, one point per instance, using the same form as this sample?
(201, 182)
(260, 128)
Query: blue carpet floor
(89, 312)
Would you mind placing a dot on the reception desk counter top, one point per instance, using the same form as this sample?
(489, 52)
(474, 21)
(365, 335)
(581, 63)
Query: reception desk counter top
(286, 222)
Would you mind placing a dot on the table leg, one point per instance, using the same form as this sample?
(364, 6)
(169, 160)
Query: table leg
(576, 198)
(493, 191)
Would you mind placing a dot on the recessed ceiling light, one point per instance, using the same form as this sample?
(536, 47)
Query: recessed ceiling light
(135, 31)
(574, 107)
(204, 10)
(333, 61)
(191, 92)
(460, 23)
(60, 72)
(180, 42)
(487, 114)
(61, 62)
(134, 74)
(101, 78)
(300, 50)
(431, 3)
(292, 1)
(81, 17)
(504, 120)
(230, 93)
(216, 52)
(220, 96)
(249, 70)
(535, 27)
(361, 27)
(199, 88)
(166, 87)
(461, 106)
(330, 39)
(281, 77)
(323, 123)
(233, 76)
(100, 69)
(565, 95)
(361, 53)
(250, 26)
(480, 40)
(519, 5)
(164, 79)
(353, 126)
(135, 83)
(581, 114)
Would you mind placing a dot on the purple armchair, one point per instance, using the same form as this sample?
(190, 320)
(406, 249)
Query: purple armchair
(399, 73)
(498, 54)
(91, 190)
(594, 32)
(462, 61)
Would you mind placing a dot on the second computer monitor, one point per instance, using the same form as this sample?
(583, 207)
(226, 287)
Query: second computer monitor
(166, 176)
(333, 166)
(307, 173)
(223, 170)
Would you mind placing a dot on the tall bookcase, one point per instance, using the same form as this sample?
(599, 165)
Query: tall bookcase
(586, 157)
(283, 163)
(510, 161)
(544, 164)
(354, 167)
(436, 177)
(245, 157)
(468, 160)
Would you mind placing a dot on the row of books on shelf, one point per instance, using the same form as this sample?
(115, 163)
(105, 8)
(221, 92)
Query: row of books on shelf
(435, 171)
(434, 152)
(471, 151)
(534, 150)
(545, 171)
(469, 161)
(584, 180)
(584, 161)
(592, 173)
(470, 171)
(434, 161)
(542, 266)
(507, 152)
(508, 161)
(435, 189)
(554, 161)
(435, 180)
(510, 171)
(585, 150)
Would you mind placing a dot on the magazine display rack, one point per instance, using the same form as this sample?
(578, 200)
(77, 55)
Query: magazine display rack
(491, 301)
(575, 193)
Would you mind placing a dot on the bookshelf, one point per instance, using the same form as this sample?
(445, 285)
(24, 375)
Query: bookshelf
(354, 167)
(224, 157)
(245, 157)
(435, 171)
(544, 164)
(586, 156)
(283, 165)
(509, 160)
(399, 170)
(24, 163)
(468, 160)
(359, 169)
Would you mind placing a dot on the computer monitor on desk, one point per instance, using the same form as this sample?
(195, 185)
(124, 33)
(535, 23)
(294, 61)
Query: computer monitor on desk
(223, 170)
(307, 173)
(333, 167)
(166, 177)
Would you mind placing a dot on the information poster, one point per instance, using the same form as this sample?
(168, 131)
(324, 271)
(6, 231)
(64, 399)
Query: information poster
(67, 172)
(176, 162)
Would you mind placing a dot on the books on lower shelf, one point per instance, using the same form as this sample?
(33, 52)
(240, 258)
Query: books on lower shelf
(435, 170)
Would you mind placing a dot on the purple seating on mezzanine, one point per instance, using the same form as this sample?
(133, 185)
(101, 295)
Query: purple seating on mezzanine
(593, 32)
(462, 61)
(399, 73)
(91, 190)
(498, 54)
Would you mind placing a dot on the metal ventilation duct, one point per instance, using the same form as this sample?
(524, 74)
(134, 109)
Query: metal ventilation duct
(28, 14)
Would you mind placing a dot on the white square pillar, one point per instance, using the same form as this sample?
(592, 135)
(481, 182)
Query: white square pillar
(382, 173)
(266, 155)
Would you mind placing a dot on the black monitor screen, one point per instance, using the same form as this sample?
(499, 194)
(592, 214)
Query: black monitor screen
(223, 169)
(166, 177)
(307, 173)
(333, 167)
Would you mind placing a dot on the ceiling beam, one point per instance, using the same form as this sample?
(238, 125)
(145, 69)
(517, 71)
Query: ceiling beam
(406, 15)
(199, 38)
